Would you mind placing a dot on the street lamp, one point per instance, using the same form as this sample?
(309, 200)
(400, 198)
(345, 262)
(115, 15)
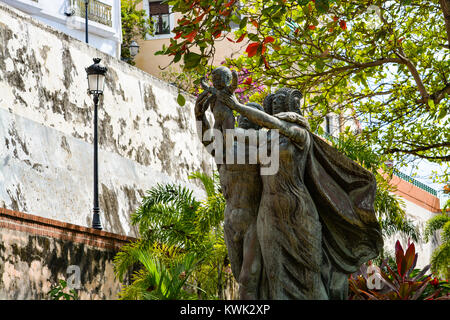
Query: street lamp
(96, 83)
(134, 48)
(86, 19)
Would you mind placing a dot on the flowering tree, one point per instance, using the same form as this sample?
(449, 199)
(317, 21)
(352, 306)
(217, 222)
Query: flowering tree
(384, 61)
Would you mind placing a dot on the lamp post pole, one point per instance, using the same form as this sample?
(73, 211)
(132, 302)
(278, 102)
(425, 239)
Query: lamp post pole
(86, 19)
(96, 219)
(96, 81)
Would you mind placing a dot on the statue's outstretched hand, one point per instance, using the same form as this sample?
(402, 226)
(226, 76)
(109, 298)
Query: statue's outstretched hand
(228, 99)
(293, 118)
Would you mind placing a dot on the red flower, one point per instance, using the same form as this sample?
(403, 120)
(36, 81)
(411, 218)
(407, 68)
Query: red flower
(178, 34)
(435, 282)
(343, 25)
(312, 27)
(248, 81)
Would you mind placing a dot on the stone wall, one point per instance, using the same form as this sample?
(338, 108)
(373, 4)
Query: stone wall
(36, 252)
(46, 129)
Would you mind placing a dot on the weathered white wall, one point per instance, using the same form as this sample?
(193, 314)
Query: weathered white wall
(46, 129)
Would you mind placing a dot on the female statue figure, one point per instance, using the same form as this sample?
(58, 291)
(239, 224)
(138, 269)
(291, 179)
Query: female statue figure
(316, 222)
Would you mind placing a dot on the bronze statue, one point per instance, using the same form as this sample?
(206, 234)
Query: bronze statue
(315, 218)
(223, 80)
(240, 211)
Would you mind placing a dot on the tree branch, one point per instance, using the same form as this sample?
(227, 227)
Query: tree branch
(358, 66)
(412, 68)
(439, 95)
(445, 7)
(416, 151)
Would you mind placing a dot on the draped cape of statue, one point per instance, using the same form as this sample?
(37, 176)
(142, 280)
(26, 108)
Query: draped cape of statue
(343, 193)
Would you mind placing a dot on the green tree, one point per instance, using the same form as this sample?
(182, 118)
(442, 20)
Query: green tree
(386, 62)
(135, 25)
(170, 217)
(440, 259)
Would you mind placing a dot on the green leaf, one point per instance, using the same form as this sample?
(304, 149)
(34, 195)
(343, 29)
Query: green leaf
(320, 64)
(431, 104)
(235, 19)
(253, 37)
(181, 99)
(177, 57)
(243, 23)
(191, 60)
(442, 113)
(322, 6)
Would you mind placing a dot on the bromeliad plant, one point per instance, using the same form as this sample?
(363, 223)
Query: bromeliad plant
(405, 283)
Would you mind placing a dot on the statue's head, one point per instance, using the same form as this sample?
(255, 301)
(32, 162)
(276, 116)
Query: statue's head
(221, 77)
(244, 123)
(283, 100)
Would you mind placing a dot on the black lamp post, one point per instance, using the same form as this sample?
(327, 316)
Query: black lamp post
(86, 19)
(96, 83)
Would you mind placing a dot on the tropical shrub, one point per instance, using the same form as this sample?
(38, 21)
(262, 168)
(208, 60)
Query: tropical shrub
(440, 259)
(401, 282)
(163, 274)
(179, 235)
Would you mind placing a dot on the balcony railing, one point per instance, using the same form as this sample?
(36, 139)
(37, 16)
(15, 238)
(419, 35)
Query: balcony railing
(415, 182)
(97, 11)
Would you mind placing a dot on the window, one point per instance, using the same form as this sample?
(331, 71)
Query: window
(159, 13)
(328, 124)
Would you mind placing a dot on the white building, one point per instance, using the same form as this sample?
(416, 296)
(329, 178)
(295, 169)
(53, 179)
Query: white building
(68, 16)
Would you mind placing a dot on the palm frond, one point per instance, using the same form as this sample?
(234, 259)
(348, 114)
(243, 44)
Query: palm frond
(211, 184)
(125, 259)
(209, 214)
(440, 260)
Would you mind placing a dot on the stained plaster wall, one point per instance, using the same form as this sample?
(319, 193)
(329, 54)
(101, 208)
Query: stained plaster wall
(46, 129)
(30, 265)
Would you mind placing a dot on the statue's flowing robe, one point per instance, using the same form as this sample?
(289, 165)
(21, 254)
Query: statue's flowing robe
(344, 195)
